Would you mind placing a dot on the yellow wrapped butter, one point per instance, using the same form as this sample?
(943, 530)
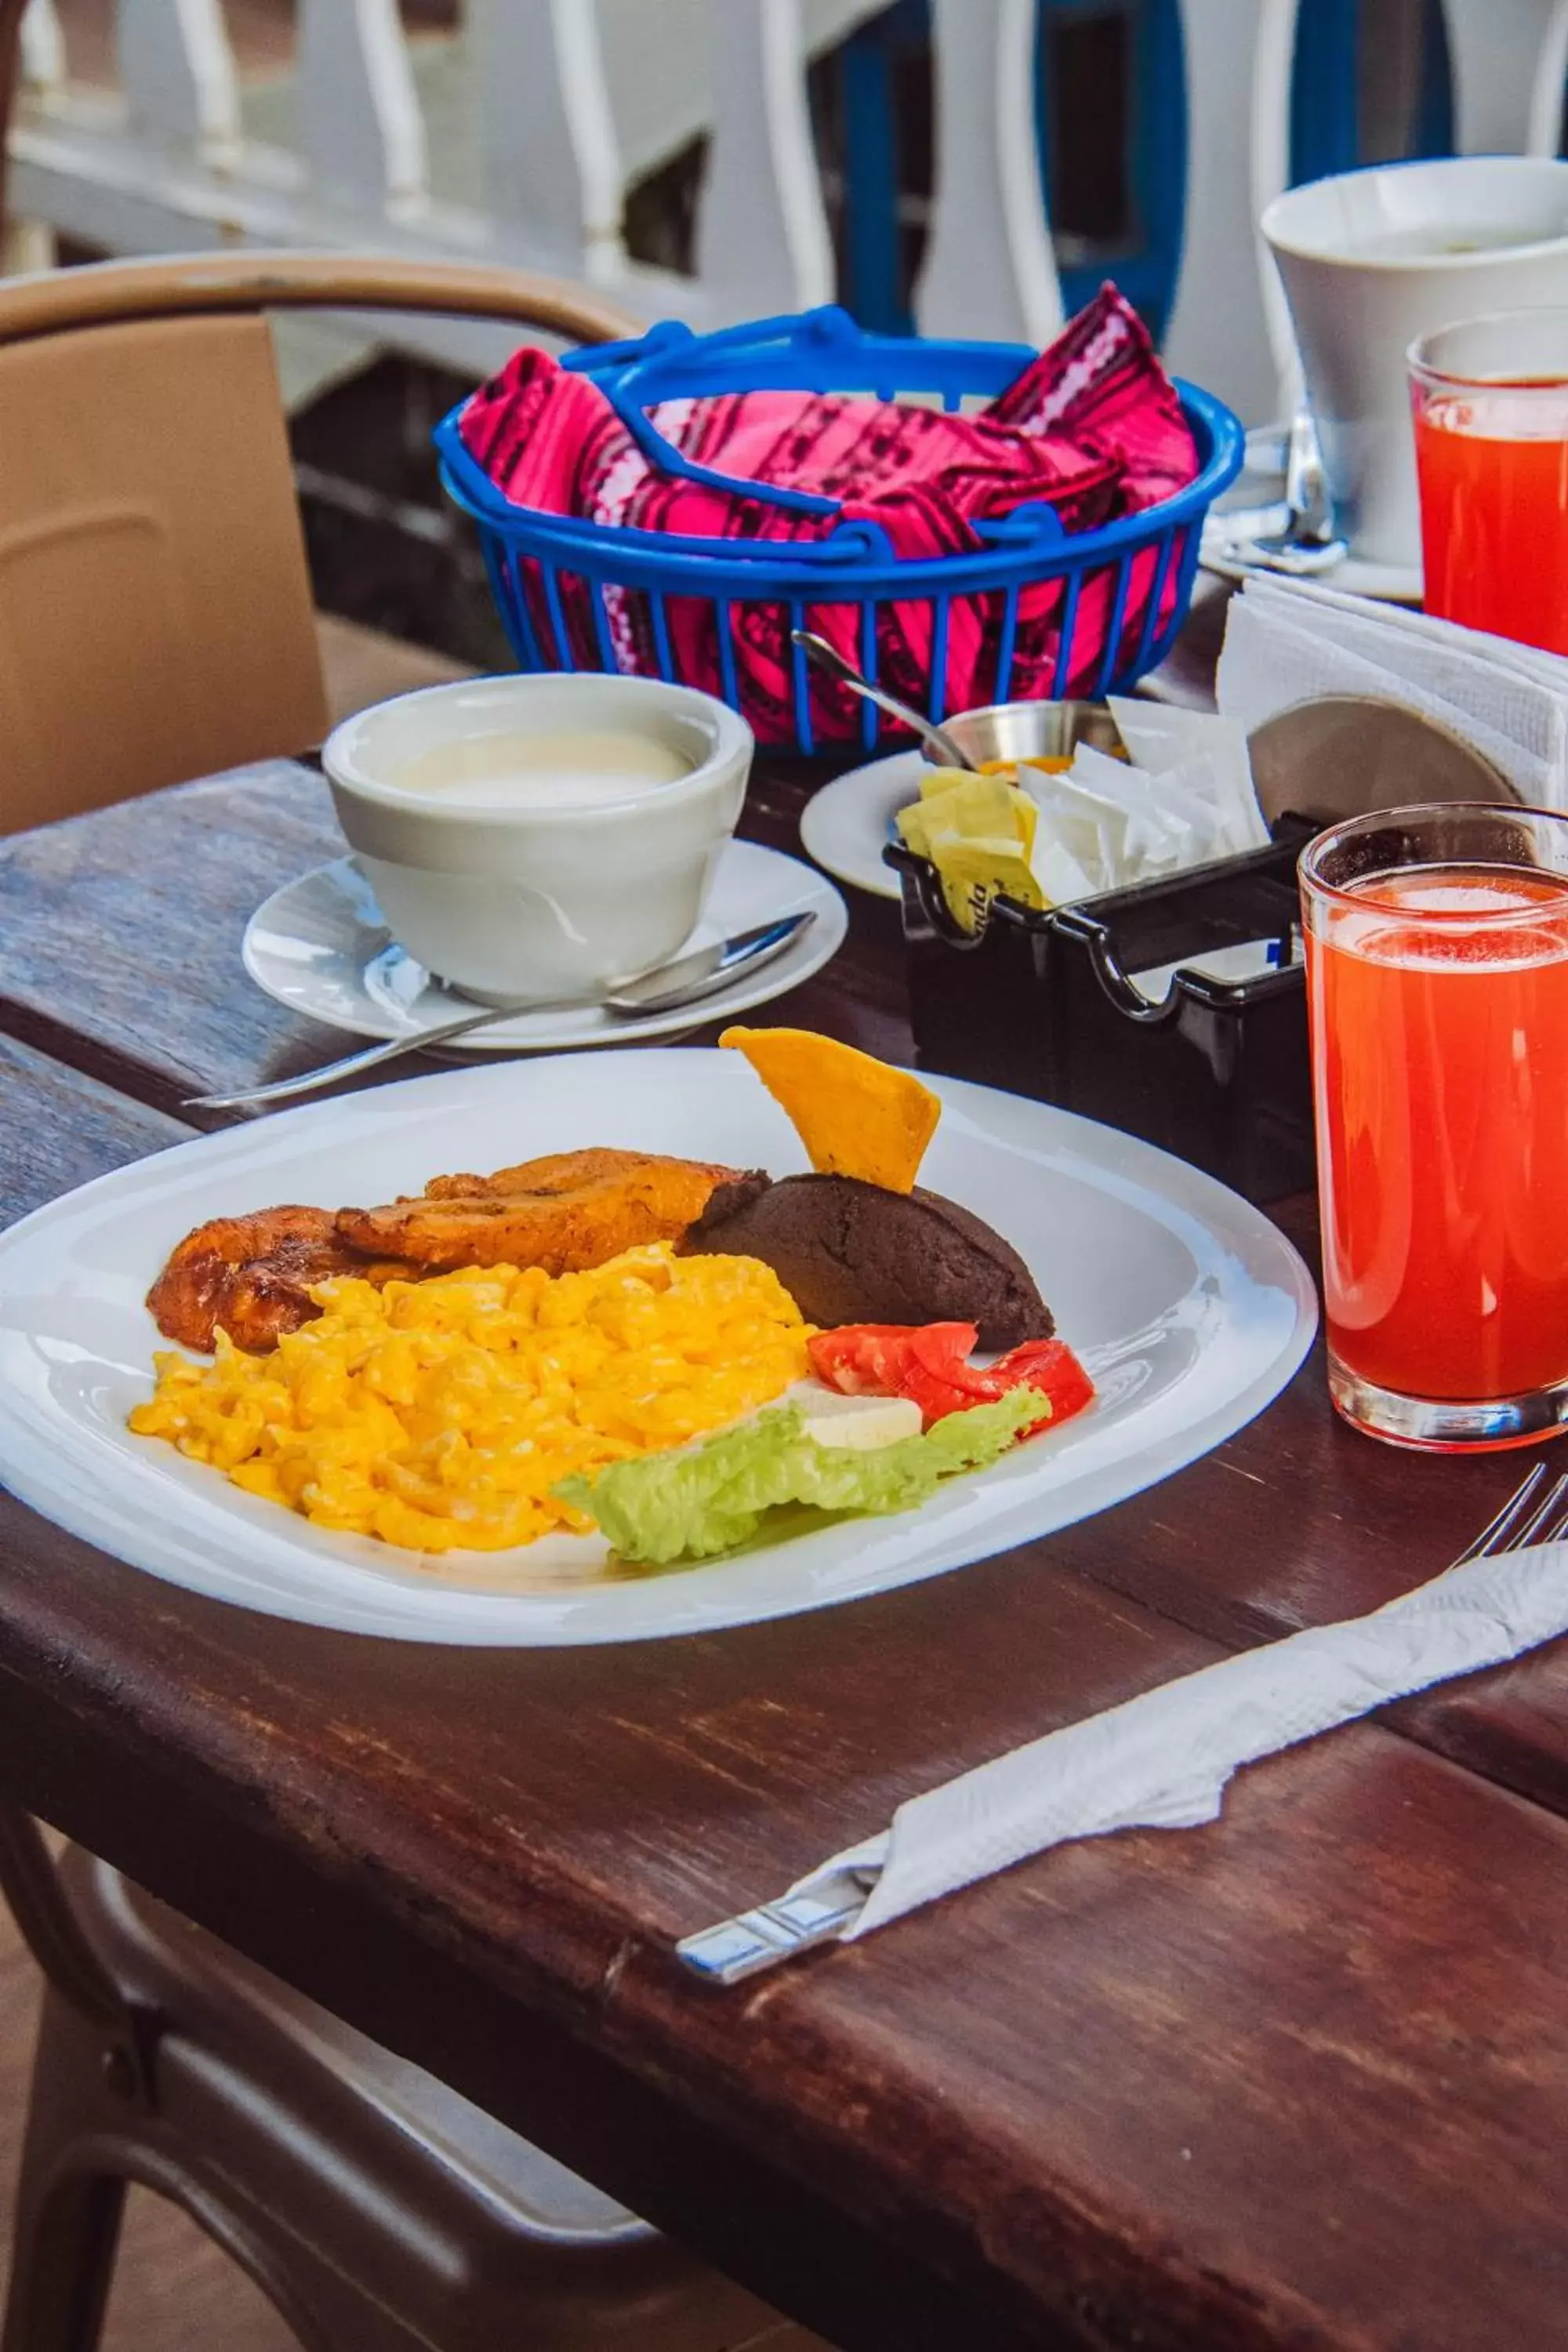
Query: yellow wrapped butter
(978, 832)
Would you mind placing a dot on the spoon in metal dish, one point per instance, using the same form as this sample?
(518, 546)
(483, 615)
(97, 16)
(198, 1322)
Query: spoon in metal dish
(833, 665)
(685, 982)
(1305, 544)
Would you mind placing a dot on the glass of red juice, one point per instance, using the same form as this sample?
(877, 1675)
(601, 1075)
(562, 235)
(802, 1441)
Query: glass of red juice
(1437, 949)
(1489, 401)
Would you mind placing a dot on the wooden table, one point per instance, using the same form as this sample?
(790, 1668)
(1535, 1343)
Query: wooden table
(1299, 2080)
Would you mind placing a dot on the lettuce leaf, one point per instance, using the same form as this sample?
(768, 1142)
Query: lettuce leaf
(712, 1495)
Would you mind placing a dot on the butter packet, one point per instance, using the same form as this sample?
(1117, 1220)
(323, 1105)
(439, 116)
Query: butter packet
(979, 833)
(965, 802)
(974, 870)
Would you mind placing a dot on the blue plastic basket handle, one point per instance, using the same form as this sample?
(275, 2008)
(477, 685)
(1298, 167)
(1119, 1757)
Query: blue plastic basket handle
(821, 343)
(629, 383)
(1035, 523)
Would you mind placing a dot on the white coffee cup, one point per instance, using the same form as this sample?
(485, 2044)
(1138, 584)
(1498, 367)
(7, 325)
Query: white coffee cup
(1370, 260)
(510, 871)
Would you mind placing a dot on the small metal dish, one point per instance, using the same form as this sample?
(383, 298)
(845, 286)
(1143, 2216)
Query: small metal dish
(1030, 731)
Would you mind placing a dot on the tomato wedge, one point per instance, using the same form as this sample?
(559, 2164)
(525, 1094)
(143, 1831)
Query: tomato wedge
(930, 1363)
(873, 1358)
(1050, 1366)
(938, 1375)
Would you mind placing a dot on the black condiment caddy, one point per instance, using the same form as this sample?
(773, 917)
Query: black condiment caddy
(1046, 1004)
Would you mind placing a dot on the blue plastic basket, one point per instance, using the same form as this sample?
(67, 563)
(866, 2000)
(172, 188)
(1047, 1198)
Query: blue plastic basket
(545, 567)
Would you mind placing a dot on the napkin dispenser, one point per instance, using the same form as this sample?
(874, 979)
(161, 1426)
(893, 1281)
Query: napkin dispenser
(1130, 1008)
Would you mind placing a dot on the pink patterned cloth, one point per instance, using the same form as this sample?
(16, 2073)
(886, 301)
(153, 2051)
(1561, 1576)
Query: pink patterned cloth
(1093, 426)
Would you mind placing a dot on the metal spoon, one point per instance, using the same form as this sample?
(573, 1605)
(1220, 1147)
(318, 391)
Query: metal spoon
(1302, 541)
(833, 665)
(685, 982)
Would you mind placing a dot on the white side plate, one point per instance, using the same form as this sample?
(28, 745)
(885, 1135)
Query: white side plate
(848, 825)
(1191, 1308)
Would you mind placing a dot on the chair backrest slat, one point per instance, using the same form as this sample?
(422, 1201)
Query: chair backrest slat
(1229, 330)
(177, 66)
(362, 127)
(989, 268)
(1503, 54)
(762, 238)
(551, 160)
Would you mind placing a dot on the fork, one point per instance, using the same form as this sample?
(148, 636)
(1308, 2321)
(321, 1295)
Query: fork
(1518, 1524)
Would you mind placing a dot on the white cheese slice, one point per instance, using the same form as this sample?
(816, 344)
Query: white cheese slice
(865, 1423)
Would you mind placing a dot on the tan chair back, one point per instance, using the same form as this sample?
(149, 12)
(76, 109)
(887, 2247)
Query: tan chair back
(155, 606)
(155, 617)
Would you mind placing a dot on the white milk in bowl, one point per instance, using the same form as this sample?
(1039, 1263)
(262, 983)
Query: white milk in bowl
(1438, 242)
(543, 835)
(555, 768)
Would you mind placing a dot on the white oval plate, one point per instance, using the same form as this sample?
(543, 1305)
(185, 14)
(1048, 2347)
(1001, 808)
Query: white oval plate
(1192, 1308)
(848, 825)
(321, 946)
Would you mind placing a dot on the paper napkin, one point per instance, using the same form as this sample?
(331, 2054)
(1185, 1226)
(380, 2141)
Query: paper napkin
(1183, 797)
(1162, 1761)
(1290, 641)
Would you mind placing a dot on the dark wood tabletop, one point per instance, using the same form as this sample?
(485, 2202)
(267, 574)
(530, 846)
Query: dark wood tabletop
(1298, 2080)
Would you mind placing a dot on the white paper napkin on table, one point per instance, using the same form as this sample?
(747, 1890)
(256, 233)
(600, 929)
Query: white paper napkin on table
(1290, 641)
(1162, 1761)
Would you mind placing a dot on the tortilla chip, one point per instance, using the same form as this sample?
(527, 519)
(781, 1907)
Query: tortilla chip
(855, 1115)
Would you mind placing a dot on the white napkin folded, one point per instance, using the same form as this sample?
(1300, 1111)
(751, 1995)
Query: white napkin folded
(1290, 641)
(1183, 797)
(1162, 1761)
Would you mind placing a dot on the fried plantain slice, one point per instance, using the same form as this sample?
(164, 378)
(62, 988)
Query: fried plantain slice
(558, 1171)
(566, 1212)
(251, 1277)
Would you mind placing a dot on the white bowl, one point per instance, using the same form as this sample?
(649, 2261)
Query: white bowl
(539, 899)
(1370, 260)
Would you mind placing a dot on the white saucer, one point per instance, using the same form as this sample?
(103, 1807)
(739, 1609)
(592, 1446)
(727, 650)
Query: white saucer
(320, 946)
(1391, 584)
(1261, 482)
(848, 825)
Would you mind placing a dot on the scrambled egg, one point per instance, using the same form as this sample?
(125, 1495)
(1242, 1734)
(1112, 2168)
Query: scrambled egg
(438, 1414)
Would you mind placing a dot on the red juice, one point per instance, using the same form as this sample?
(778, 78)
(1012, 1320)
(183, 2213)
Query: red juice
(1494, 513)
(1442, 1109)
